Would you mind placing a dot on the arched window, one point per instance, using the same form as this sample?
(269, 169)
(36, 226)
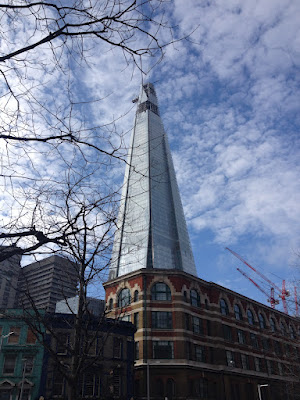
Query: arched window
(250, 317)
(292, 332)
(238, 312)
(185, 295)
(273, 325)
(262, 322)
(206, 304)
(136, 296)
(195, 298)
(161, 291)
(282, 328)
(110, 304)
(170, 388)
(124, 298)
(159, 389)
(224, 307)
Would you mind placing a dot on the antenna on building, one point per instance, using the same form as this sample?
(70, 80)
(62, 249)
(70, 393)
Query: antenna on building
(282, 293)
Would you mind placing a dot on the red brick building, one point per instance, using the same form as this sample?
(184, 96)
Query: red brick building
(198, 340)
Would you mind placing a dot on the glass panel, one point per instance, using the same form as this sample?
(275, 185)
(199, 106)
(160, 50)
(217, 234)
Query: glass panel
(161, 320)
(9, 364)
(163, 349)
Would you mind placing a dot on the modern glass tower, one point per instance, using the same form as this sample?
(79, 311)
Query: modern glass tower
(152, 231)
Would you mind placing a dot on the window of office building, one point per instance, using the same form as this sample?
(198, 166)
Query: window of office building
(195, 298)
(171, 390)
(262, 322)
(265, 343)
(257, 363)
(272, 325)
(250, 317)
(28, 364)
(224, 307)
(88, 384)
(163, 349)
(292, 332)
(162, 320)
(9, 364)
(227, 331)
(237, 312)
(254, 341)
(200, 388)
(117, 347)
(15, 336)
(136, 320)
(245, 361)
(136, 296)
(161, 291)
(124, 298)
(187, 321)
(282, 328)
(62, 343)
(199, 353)
(270, 367)
(241, 336)
(197, 325)
(26, 395)
(230, 358)
(277, 348)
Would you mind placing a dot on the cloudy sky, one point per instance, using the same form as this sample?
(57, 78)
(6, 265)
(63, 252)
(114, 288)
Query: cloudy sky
(229, 100)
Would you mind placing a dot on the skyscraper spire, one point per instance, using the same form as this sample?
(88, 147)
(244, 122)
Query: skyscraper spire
(152, 230)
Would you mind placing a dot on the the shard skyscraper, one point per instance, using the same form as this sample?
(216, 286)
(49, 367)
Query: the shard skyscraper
(152, 231)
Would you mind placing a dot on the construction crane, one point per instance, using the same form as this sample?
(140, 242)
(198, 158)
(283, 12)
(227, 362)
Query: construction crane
(282, 293)
(271, 299)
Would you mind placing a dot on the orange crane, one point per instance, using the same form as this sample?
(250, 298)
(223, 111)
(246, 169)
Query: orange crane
(282, 293)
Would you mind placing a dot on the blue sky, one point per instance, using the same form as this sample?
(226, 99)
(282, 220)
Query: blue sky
(229, 100)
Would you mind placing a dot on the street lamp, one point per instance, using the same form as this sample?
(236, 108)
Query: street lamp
(4, 337)
(259, 390)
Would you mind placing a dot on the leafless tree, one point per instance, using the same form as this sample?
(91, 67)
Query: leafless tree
(48, 138)
(56, 159)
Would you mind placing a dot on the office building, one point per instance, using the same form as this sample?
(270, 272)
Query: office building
(43, 283)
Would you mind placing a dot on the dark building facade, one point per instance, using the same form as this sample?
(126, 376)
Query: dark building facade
(107, 356)
(198, 340)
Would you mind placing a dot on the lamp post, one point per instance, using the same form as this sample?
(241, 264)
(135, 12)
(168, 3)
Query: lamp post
(259, 390)
(4, 337)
